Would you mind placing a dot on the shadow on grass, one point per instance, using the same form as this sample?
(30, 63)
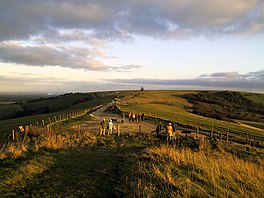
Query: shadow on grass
(85, 172)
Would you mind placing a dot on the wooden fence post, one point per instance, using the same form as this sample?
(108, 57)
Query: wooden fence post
(227, 134)
(43, 123)
(212, 131)
(49, 120)
(100, 129)
(221, 136)
(247, 136)
(118, 130)
(13, 135)
(139, 129)
(79, 128)
(55, 118)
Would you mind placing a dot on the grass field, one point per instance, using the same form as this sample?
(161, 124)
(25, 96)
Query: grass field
(6, 126)
(254, 124)
(169, 105)
(7, 109)
(258, 98)
(73, 163)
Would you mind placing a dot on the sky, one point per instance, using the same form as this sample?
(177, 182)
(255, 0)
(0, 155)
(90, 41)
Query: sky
(58, 46)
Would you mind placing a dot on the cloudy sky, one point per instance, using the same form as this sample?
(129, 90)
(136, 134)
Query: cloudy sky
(84, 45)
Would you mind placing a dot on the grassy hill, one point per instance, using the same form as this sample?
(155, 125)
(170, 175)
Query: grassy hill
(36, 110)
(79, 163)
(226, 105)
(173, 106)
(52, 104)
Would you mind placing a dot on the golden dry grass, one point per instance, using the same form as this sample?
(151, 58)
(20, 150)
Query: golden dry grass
(169, 172)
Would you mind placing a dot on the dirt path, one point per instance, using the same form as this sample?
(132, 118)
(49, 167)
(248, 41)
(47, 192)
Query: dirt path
(91, 171)
(83, 173)
(100, 113)
(248, 126)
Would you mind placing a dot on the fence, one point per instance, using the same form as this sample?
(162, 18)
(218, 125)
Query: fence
(228, 132)
(44, 124)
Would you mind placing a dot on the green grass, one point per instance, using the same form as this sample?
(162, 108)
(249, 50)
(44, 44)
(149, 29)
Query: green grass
(255, 97)
(254, 124)
(59, 103)
(73, 164)
(6, 126)
(7, 109)
(92, 170)
(169, 105)
(83, 173)
(12, 124)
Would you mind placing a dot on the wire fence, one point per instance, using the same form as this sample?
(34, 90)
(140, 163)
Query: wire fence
(43, 125)
(227, 133)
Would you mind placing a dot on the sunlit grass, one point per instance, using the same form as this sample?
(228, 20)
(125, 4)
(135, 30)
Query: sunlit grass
(169, 105)
(168, 172)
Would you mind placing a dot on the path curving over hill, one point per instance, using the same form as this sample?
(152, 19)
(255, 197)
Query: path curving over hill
(93, 170)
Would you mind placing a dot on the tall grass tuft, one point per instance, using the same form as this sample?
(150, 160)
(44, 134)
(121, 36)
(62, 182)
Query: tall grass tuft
(168, 172)
(48, 140)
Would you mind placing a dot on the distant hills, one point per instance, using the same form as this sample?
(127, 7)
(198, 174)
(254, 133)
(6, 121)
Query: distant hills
(27, 106)
(226, 105)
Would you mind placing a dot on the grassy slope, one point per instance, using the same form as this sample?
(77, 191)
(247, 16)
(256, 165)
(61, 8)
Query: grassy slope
(257, 98)
(68, 165)
(168, 172)
(7, 109)
(6, 126)
(169, 105)
(81, 165)
(254, 124)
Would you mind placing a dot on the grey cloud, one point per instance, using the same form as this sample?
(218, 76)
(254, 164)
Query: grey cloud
(256, 75)
(115, 18)
(73, 57)
(242, 82)
(22, 18)
(33, 84)
(225, 75)
(94, 23)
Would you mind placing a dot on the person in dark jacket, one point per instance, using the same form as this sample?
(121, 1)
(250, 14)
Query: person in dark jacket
(158, 133)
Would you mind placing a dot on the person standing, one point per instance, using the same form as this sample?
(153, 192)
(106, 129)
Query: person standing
(123, 116)
(142, 117)
(100, 129)
(104, 126)
(130, 116)
(169, 133)
(110, 126)
(173, 126)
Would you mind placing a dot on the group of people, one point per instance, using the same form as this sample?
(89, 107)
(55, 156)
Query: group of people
(169, 130)
(136, 117)
(106, 128)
